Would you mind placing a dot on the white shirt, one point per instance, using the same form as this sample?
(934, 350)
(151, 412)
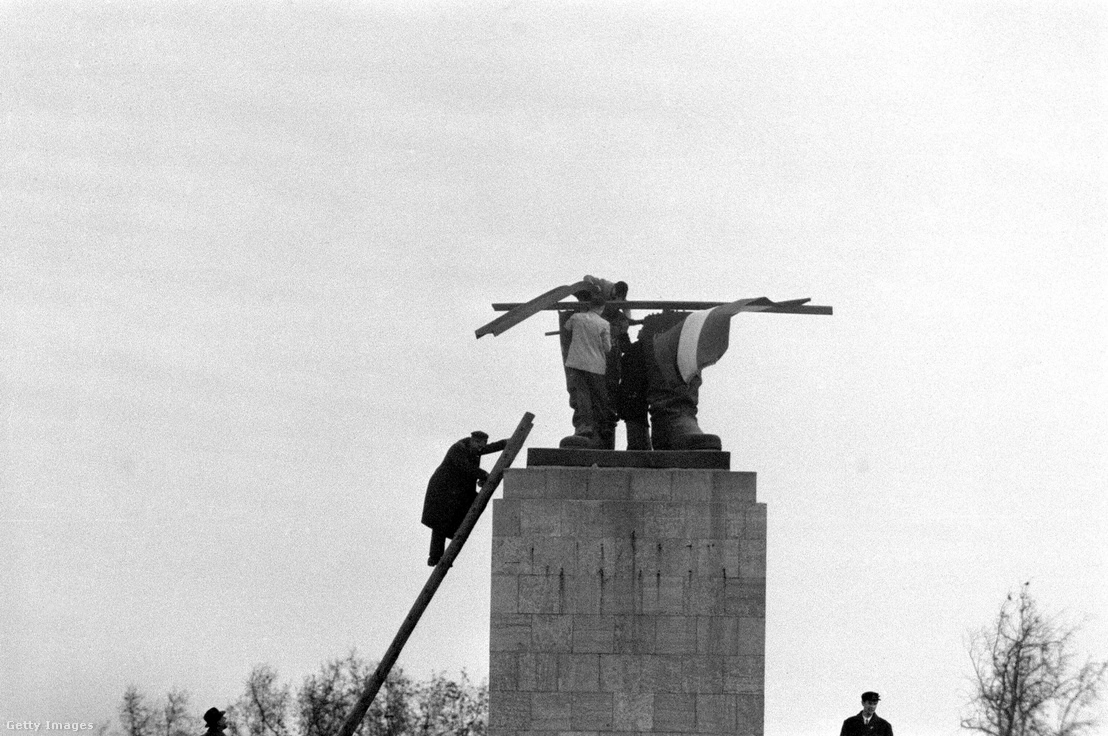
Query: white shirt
(591, 341)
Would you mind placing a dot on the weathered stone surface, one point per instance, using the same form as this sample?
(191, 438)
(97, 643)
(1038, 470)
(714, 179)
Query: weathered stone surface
(627, 601)
(527, 482)
(509, 711)
(652, 485)
(635, 634)
(579, 673)
(509, 632)
(663, 594)
(717, 635)
(744, 674)
(609, 484)
(505, 517)
(618, 595)
(702, 673)
(552, 633)
(594, 634)
(715, 713)
(551, 711)
(538, 672)
(675, 712)
(676, 635)
(750, 713)
(633, 711)
(509, 557)
(592, 711)
(505, 594)
(503, 671)
(584, 592)
(543, 517)
(733, 487)
(752, 636)
(622, 673)
(695, 487)
(541, 593)
(705, 596)
(662, 673)
(746, 597)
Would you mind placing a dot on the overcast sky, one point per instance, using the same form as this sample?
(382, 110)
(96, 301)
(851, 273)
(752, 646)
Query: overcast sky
(243, 250)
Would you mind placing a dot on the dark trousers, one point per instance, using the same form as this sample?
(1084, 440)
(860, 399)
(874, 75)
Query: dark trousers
(438, 545)
(588, 397)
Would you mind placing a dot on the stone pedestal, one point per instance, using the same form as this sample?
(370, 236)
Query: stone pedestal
(627, 600)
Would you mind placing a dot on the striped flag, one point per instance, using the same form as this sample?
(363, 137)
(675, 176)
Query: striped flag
(700, 339)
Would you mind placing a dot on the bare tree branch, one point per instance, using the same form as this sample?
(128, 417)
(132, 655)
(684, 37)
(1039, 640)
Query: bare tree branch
(1024, 679)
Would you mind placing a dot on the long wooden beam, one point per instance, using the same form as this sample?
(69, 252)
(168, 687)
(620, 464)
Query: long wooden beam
(528, 309)
(515, 443)
(794, 307)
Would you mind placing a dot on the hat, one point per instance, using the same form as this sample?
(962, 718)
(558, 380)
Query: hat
(479, 435)
(213, 716)
(870, 696)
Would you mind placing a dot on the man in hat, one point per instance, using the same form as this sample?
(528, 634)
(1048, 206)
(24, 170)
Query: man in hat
(867, 723)
(215, 719)
(452, 489)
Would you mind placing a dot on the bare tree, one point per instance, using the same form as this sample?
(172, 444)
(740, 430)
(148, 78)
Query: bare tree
(391, 713)
(175, 720)
(1025, 677)
(325, 699)
(135, 716)
(264, 708)
(437, 707)
(448, 708)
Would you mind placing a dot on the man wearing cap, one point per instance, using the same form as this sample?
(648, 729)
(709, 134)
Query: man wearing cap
(867, 723)
(452, 489)
(215, 721)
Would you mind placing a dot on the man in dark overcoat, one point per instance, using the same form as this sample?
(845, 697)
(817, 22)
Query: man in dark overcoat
(215, 720)
(453, 488)
(867, 723)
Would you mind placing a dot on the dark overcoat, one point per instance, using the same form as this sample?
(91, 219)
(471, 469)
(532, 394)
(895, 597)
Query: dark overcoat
(453, 486)
(856, 726)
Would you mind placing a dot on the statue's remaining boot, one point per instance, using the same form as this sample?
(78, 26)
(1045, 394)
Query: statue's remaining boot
(672, 401)
(638, 436)
(584, 441)
(684, 433)
(673, 417)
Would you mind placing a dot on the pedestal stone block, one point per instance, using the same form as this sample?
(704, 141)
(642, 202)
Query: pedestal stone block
(627, 600)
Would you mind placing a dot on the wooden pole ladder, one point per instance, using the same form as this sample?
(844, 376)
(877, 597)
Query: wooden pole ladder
(515, 443)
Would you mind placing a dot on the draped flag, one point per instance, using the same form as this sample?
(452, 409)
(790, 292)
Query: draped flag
(701, 339)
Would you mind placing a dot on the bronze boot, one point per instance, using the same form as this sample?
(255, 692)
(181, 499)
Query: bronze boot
(583, 441)
(673, 423)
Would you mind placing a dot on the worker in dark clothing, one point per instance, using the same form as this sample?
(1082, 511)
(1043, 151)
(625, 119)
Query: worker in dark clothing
(215, 721)
(452, 489)
(631, 400)
(867, 722)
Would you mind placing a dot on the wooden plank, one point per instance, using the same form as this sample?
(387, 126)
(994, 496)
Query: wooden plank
(659, 459)
(515, 443)
(519, 312)
(797, 306)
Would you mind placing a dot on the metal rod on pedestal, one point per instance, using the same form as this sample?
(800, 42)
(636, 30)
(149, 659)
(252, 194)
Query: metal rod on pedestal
(515, 443)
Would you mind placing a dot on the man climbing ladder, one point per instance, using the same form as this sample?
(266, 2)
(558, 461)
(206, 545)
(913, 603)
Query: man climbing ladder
(450, 491)
(488, 487)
